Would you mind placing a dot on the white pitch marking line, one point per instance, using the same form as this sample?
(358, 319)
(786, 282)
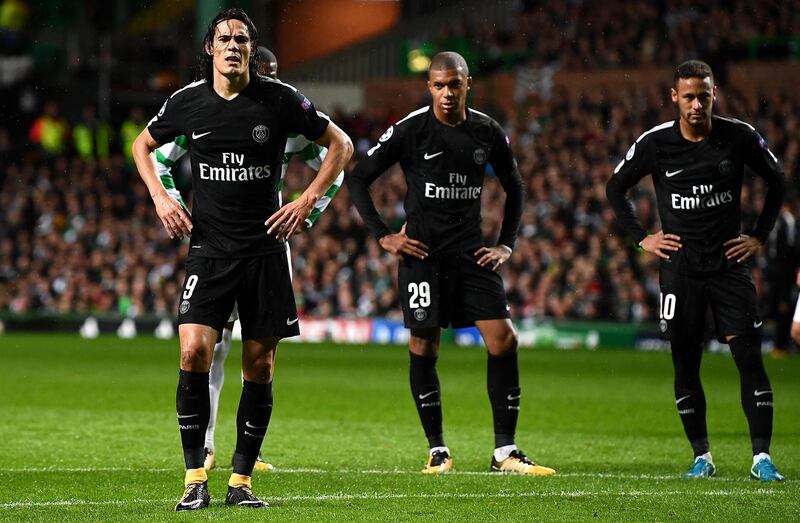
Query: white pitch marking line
(376, 495)
(399, 472)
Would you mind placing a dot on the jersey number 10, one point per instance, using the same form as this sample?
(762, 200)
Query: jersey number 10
(666, 306)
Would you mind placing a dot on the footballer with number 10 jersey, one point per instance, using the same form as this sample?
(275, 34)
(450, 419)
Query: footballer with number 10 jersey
(698, 163)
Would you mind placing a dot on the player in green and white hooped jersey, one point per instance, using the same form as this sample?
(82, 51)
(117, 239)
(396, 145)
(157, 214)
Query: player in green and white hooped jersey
(312, 154)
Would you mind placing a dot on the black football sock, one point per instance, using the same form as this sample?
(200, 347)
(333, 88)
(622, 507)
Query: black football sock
(425, 389)
(755, 390)
(690, 399)
(194, 406)
(252, 420)
(502, 381)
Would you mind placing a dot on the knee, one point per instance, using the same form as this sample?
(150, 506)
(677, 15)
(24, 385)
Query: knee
(424, 343)
(505, 343)
(195, 358)
(260, 368)
(195, 354)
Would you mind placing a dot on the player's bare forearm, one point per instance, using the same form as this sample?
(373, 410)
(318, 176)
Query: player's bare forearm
(289, 218)
(340, 150)
(142, 148)
(172, 215)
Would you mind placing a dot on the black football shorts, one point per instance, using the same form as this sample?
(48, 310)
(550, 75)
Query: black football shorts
(451, 290)
(261, 286)
(684, 300)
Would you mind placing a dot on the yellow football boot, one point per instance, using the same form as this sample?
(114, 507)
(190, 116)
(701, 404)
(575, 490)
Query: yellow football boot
(439, 462)
(518, 463)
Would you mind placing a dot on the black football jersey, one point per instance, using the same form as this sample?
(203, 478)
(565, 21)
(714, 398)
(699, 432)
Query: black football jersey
(236, 147)
(698, 188)
(444, 167)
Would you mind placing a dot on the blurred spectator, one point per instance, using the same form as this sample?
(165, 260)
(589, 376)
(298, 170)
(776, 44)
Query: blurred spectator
(13, 21)
(91, 137)
(782, 257)
(50, 131)
(129, 130)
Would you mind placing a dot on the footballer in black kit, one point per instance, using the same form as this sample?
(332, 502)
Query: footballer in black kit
(698, 163)
(447, 276)
(236, 124)
(236, 149)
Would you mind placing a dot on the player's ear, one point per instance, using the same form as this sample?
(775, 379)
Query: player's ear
(674, 95)
(469, 82)
(714, 93)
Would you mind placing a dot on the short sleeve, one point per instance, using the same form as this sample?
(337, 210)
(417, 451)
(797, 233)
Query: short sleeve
(302, 117)
(168, 123)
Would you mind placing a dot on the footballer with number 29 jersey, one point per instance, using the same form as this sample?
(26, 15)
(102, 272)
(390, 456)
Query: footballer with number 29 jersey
(444, 168)
(237, 146)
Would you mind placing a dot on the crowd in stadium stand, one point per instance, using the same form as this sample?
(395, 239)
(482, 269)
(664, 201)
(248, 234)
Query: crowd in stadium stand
(601, 35)
(78, 232)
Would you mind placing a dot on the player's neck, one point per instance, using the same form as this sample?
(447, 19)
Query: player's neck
(451, 119)
(228, 87)
(695, 133)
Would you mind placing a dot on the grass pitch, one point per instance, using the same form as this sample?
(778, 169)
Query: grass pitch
(88, 432)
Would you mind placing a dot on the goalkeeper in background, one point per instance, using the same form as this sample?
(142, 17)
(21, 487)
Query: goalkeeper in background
(312, 154)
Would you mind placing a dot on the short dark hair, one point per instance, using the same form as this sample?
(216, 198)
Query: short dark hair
(448, 60)
(265, 58)
(693, 69)
(206, 62)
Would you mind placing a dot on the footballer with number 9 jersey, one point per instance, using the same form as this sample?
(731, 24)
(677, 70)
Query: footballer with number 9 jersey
(236, 124)
(446, 275)
(697, 163)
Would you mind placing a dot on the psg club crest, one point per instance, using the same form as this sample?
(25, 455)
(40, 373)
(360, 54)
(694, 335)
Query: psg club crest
(479, 156)
(420, 314)
(184, 306)
(260, 133)
(386, 135)
(725, 167)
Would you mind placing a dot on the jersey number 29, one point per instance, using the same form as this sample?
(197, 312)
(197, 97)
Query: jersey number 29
(420, 295)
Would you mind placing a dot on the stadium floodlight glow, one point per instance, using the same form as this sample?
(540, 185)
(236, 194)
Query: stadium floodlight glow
(418, 61)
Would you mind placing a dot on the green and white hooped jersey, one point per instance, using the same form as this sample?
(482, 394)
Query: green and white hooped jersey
(311, 153)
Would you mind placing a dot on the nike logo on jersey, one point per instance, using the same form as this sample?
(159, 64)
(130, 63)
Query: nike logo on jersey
(423, 396)
(757, 324)
(761, 392)
(670, 174)
(291, 322)
(254, 426)
(512, 398)
(195, 135)
(184, 416)
(681, 399)
(429, 156)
